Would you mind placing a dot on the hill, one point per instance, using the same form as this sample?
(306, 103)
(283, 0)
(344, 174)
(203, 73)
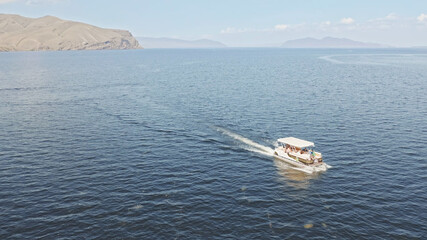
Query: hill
(19, 33)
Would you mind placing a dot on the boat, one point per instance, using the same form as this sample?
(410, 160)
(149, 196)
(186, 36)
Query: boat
(300, 153)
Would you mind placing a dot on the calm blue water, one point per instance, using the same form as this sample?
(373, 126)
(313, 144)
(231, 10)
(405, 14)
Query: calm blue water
(137, 145)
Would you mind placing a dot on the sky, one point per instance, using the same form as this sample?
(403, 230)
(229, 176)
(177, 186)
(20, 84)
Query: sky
(245, 23)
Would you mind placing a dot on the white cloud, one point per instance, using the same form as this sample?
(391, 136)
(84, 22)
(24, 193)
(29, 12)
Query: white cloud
(227, 30)
(230, 30)
(391, 16)
(281, 27)
(348, 20)
(387, 22)
(234, 30)
(276, 28)
(422, 18)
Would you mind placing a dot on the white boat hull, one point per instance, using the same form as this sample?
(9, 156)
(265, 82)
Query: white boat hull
(282, 155)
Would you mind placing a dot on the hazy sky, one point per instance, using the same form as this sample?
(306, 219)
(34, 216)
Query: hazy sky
(245, 22)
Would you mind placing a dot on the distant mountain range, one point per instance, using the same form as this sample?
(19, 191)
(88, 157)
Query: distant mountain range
(329, 42)
(149, 42)
(19, 33)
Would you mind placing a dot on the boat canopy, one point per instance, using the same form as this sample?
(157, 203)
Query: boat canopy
(296, 142)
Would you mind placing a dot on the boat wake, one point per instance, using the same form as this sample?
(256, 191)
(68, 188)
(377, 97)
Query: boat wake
(358, 59)
(251, 145)
(256, 147)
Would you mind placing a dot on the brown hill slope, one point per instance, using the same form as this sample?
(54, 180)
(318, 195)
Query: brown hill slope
(19, 33)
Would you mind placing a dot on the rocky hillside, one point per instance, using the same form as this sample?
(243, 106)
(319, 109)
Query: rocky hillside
(19, 33)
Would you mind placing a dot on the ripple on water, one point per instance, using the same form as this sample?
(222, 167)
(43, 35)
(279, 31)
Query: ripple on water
(130, 152)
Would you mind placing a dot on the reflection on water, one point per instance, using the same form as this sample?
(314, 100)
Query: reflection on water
(293, 177)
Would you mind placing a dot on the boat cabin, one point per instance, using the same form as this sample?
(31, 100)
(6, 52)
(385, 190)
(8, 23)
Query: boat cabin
(300, 150)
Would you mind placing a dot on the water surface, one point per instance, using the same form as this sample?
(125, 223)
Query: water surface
(128, 144)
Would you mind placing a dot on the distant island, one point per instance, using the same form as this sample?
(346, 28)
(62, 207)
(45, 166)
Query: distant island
(329, 42)
(19, 33)
(149, 42)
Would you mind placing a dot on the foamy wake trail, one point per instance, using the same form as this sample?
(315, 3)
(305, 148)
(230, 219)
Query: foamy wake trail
(330, 59)
(252, 146)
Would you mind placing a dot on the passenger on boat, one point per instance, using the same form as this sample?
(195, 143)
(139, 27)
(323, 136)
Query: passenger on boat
(312, 154)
